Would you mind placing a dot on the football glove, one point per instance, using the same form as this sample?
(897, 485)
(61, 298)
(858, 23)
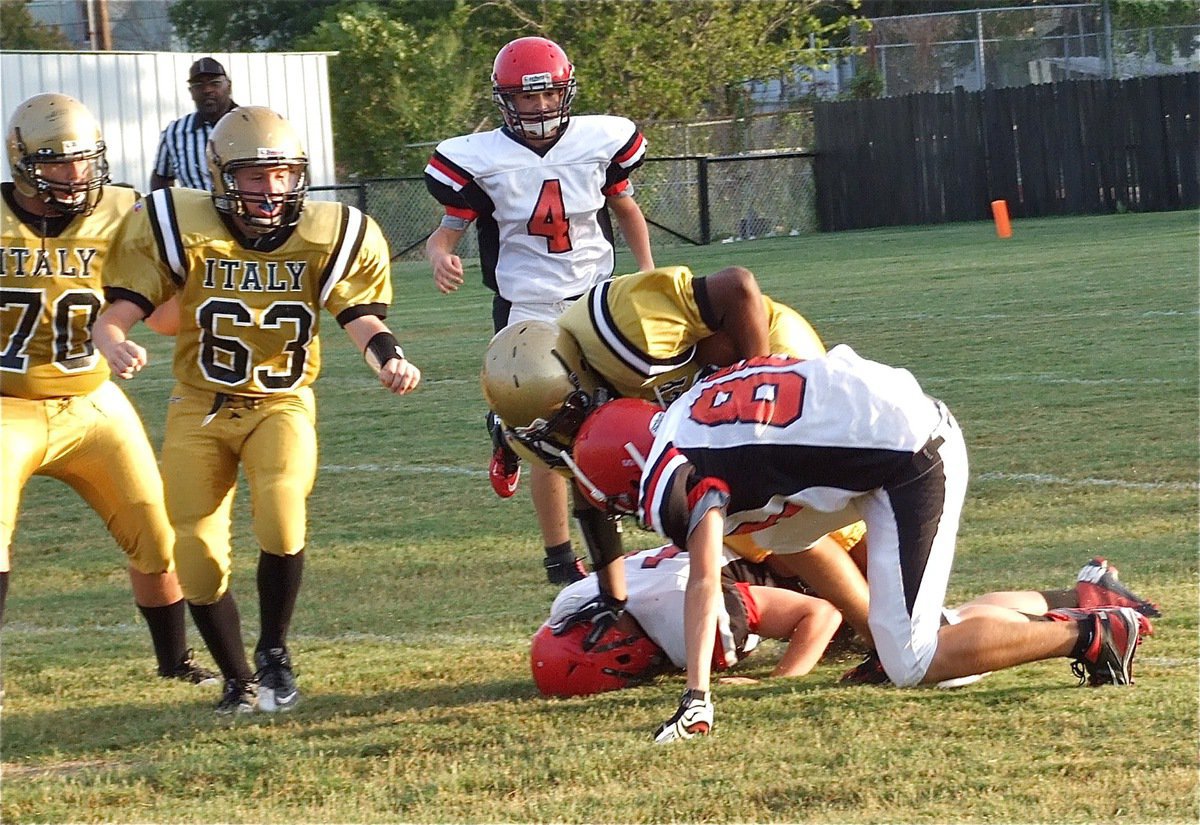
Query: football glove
(602, 612)
(693, 718)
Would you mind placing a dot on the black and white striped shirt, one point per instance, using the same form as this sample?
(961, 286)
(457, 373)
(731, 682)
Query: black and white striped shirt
(181, 152)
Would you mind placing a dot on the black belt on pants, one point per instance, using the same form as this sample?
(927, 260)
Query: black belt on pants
(224, 399)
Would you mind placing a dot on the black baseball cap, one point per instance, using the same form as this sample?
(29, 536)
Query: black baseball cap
(205, 66)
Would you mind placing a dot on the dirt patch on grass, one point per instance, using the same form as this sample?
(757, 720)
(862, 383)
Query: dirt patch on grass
(69, 768)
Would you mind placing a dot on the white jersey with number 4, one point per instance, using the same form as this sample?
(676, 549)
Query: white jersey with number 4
(544, 231)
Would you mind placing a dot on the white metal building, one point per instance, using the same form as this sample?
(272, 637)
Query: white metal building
(136, 94)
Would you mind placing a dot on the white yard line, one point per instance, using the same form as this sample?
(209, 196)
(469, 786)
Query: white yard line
(1027, 478)
(1120, 483)
(411, 469)
(1047, 378)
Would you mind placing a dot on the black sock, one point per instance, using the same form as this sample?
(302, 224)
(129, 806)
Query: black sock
(3, 593)
(168, 631)
(561, 553)
(278, 586)
(220, 625)
(1087, 634)
(1060, 598)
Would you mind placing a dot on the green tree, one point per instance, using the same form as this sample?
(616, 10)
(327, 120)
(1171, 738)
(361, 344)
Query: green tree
(247, 25)
(19, 31)
(672, 60)
(390, 87)
(412, 71)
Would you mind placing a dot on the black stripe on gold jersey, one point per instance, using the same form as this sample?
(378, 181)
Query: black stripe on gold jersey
(708, 313)
(160, 208)
(358, 311)
(607, 330)
(117, 293)
(351, 232)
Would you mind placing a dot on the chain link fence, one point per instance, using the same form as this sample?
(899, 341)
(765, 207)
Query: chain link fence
(997, 48)
(731, 179)
(686, 200)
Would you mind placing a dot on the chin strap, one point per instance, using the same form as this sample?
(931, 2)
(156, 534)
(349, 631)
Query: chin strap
(592, 490)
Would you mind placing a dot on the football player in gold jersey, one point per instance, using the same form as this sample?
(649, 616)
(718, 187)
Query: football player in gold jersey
(649, 335)
(252, 265)
(60, 415)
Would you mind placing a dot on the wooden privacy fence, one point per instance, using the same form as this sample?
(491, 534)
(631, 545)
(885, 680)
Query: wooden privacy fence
(1078, 147)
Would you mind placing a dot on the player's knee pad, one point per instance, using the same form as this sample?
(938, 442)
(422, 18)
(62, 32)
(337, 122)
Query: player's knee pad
(281, 519)
(281, 538)
(146, 537)
(203, 574)
(902, 671)
(905, 656)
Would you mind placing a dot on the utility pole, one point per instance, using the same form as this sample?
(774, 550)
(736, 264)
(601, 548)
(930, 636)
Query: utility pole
(1109, 63)
(104, 25)
(99, 25)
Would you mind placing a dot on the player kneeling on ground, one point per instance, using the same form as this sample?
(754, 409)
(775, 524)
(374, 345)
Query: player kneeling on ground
(759, 441)
(651, 335)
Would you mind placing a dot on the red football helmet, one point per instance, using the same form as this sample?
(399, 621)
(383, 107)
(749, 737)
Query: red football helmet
(610, 451)
(533, 64)
(624, 656)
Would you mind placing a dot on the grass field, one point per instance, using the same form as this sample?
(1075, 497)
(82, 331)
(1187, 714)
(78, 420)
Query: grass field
(1068, 354)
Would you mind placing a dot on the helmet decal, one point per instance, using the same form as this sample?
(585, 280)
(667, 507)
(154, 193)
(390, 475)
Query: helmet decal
(530, 65)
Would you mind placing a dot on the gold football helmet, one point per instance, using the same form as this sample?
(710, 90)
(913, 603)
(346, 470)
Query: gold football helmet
(256, 136)
(50, 129)
(535, 378)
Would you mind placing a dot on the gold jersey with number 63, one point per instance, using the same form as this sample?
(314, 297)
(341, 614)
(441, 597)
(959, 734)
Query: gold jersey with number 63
(249, 315)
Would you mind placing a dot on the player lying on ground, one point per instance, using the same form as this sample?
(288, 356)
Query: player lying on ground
(648, 639)
(756, 602)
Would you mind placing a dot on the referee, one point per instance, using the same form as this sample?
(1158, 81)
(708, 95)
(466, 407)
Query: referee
(180, 158)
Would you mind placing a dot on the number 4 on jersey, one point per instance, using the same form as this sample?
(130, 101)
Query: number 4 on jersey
(549, 219)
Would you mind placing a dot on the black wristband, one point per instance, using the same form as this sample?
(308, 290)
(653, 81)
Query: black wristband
(384, 347)
(613, 601)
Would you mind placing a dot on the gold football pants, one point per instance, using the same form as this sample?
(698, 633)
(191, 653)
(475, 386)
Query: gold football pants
(95, 444)
(274, 439)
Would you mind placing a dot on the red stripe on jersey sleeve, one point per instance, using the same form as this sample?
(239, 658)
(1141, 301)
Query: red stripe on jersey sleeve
(650, 486)
(465, 214)
(449, 172)
(634, 147)
(705, 486)
(616, 189)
